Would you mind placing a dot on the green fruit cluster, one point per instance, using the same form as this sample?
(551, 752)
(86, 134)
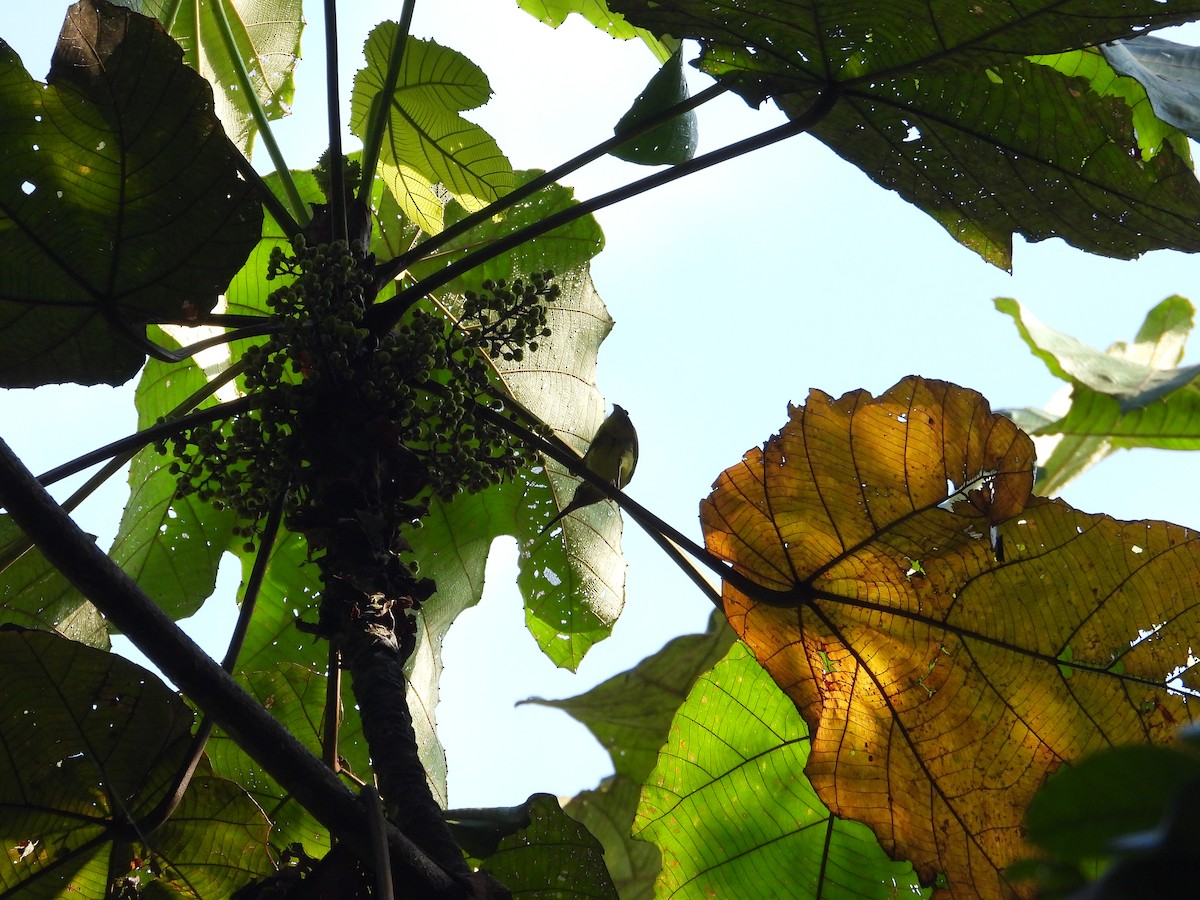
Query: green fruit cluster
(346, 420)
(510, 318)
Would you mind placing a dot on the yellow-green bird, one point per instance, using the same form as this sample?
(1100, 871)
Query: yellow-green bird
(612, 455)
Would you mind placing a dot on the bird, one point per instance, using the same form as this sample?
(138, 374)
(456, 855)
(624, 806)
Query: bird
(612, 455)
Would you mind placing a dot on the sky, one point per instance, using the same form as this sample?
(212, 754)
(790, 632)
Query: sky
(734, 292)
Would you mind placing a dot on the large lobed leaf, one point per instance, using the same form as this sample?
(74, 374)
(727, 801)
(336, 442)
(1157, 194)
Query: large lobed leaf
(935, 101)
(426, 140)
(170, 543)
(89, 745)
(573, 585)
(120, 202)
(949, 638)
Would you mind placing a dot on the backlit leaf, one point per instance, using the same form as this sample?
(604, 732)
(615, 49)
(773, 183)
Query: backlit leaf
(631, 714)
(265, 38)
(34, 594)
(936, 101)
(950, 638)
(1132, 395)
(597, 13)
(729, 807)
(426, 137)
(573, 583)
(120, 203)
(91, 744)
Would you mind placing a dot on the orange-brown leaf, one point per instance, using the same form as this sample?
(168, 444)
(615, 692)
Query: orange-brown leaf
(949, 638)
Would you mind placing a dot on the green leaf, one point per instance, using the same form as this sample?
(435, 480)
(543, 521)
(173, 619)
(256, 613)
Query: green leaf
(1133, 395)
(728, 804)
(34, 594)
(171, 544)
(1084, 808)
(672, 142)
(607, 812)
(120, 202)
(214, 843)
(1169, 73)
(573, 580)
(1150, 129)
(427, 142)
(1121, 373)
(935, 101)
(265, 37)
(597, 13)
(554, 857)
(1069, 455)
(573, 584)
(631, 714)
(100, 743)
(248, 291)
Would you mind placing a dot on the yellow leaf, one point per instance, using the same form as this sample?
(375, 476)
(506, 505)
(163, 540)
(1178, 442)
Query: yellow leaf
(941, 695)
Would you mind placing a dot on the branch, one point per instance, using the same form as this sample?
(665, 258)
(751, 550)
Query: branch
(136, 441)
(166, 807)
(118, 454)
(213, 689)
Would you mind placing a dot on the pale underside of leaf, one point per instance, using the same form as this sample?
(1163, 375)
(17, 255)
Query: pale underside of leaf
(266, 46)
(1132, 395)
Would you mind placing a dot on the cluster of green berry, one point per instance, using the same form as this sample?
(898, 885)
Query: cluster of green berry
(510, 319)
(347, 420)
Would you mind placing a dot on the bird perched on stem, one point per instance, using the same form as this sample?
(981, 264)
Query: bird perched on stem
(612, 455)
